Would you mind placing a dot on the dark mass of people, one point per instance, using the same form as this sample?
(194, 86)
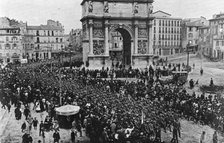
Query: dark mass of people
(112, 110)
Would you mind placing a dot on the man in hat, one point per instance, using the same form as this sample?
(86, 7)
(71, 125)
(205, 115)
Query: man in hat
(56, 136)
(41, 128)
(73, 136)
(26, 112)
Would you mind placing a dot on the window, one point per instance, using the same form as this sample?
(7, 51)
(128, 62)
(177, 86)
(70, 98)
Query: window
(190, 35)
(14, 46)
(115, 45)
(154, 37)
(159, 22)
(38, 40)
(155, 22)
(56, 40)
(159, 29)
(190, 29)
(61, 40)
(52, 33)
(37, 33)
(222, 43)
(160, 51)
(14, 38)
(7, 38)
(48, 33)
(217, 43)
(7, 46)
(154, 29)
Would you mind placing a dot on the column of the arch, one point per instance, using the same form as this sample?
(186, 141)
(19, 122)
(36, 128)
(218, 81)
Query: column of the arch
(150, 38)
(90, 37)
(106, 38)
(136, 38)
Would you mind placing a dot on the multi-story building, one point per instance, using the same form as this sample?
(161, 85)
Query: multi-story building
(217, 36)
(167, 34)
(11, 47)
(190, 31)
(48, 40)
(75, 39)
(204, 40)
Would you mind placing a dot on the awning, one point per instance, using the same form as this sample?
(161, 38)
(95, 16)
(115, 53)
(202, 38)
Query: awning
(67, 110)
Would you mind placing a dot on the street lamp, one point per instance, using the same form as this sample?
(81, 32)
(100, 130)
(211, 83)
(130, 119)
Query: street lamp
(60, 63)
(188, 51)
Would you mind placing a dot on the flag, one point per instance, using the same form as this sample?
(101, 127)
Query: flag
(142, 117)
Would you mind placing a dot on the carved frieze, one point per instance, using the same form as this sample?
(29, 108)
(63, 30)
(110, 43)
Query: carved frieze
(84, 29)
(98, 33)
(106, 7)
(90, 9)
(98, 47)
(135, 11)
(142, 33)
(142, 46)
(97, 24)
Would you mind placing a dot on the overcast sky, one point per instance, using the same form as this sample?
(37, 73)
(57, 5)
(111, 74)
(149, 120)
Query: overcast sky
(68, 12)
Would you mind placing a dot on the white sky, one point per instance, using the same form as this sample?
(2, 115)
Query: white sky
(68, 12)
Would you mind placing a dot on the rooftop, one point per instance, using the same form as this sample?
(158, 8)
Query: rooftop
(44, 27)
(126, 1)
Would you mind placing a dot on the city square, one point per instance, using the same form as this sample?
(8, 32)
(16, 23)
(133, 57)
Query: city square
(130, 74)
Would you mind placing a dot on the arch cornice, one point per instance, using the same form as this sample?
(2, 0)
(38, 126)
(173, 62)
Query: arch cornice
(113, 27)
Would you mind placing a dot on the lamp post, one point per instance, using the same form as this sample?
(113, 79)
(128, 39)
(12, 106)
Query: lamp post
(188, 57)
(60, 62)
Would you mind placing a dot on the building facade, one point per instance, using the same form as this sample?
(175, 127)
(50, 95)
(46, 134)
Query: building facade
(204, 40)
(11, 35)
(75, 40)
(48, 40)
(190, 32)
(166, 34)
(217, 36)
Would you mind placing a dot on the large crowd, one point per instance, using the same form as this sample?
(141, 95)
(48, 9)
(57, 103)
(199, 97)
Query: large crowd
(112, 110)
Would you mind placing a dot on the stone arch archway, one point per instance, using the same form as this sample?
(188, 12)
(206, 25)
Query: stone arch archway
(134, 20)
(127, 37)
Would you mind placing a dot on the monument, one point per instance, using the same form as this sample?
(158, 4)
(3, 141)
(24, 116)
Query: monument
(117, 31)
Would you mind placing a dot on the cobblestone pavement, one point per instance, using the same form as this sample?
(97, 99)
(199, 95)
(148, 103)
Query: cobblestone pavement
(190, 132)
(11, 130)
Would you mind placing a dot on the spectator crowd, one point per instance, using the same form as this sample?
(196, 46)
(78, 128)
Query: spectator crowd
(112, 110)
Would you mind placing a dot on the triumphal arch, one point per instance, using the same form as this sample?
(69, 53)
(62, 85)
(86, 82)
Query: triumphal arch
(117, 31)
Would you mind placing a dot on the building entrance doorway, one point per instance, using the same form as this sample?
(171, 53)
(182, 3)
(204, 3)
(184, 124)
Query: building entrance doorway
(120, 47)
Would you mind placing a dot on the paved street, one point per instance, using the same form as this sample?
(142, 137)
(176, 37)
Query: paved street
(190, 132)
